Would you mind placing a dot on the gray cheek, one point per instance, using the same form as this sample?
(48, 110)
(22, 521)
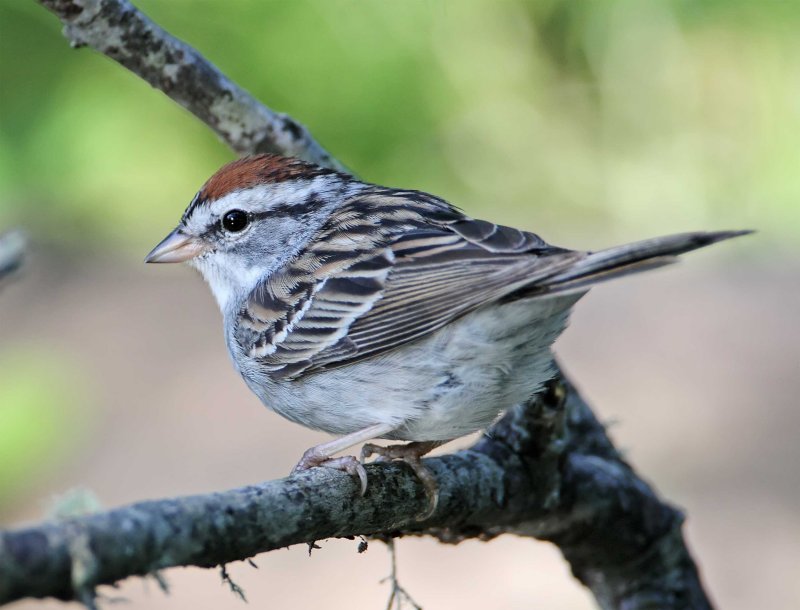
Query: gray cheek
(274, 240)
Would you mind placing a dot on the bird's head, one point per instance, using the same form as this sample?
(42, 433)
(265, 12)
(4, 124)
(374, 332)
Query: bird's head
(251, 217)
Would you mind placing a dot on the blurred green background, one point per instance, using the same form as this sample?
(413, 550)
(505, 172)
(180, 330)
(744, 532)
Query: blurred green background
(603, 117)
(590, 122)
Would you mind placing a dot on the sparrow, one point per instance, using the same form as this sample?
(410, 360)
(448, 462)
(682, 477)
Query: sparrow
(370, 312)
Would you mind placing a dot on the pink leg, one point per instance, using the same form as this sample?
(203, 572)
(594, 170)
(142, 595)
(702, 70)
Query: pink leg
(320, 455)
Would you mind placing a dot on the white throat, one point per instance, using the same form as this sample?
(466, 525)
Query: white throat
(230, 285)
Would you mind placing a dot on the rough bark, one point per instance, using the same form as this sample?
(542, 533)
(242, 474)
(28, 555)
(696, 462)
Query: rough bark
(546, 470)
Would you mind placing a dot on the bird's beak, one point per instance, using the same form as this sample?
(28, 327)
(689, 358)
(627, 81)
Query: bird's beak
(176, 247)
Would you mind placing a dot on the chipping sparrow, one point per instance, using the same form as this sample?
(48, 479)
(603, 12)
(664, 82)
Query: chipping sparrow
(370, 312)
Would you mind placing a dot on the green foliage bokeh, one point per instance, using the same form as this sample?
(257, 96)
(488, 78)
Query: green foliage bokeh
(43, 417)
(624, 117)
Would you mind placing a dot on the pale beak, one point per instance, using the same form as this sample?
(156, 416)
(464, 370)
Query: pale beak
(176, 247)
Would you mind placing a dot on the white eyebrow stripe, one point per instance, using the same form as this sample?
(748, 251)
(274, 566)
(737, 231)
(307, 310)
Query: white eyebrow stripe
(201, 214)
(262, 197)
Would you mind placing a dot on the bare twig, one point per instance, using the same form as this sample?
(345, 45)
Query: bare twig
(398, 594)
(12, 252)
(546, 470)
(120, 31)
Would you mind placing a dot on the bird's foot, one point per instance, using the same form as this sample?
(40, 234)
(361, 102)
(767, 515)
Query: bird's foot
(348, 463)
(411, 454)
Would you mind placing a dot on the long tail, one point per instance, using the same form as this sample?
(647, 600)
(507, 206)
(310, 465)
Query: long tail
(631, 258)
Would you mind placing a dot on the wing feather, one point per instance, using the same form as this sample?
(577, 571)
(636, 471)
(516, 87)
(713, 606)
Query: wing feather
(387, 270)
(421, 297)
(391, 267)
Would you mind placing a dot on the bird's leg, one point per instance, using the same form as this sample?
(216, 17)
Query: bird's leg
(320, 455)
(411, 454)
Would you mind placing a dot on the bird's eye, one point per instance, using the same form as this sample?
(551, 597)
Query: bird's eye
(235, 221)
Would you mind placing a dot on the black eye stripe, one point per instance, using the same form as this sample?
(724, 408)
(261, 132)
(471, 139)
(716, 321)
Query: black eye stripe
(281, 210)
(310, 205)
(285, 209)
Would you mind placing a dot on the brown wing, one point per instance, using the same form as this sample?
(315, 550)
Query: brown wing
(405, 281)
(437, 277)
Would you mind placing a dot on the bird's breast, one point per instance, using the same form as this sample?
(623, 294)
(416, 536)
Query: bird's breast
(446, 385)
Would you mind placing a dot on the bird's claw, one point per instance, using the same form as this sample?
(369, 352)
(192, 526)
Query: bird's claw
(411, 454)
(347, 463)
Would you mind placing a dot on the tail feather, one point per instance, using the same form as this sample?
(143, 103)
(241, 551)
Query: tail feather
(631, 258)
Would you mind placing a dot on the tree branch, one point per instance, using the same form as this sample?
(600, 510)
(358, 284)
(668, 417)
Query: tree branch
(120, 31)
(546, 470)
